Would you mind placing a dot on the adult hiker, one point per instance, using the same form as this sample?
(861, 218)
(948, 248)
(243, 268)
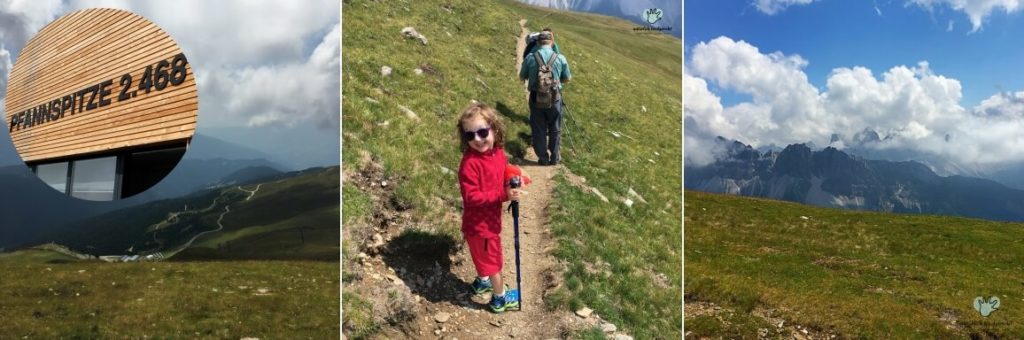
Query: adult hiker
(546, 71)
(531, 43)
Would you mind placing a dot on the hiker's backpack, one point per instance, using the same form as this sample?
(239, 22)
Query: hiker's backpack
(547, 82)
(531, 45)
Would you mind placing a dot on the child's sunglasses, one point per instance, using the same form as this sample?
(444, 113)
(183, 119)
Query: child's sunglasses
(482, 133)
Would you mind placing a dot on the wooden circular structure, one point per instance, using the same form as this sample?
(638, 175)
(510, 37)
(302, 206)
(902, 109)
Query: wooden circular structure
(100, 83)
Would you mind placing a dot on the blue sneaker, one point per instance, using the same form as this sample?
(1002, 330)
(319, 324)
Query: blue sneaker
(499, 303)
(480, 286)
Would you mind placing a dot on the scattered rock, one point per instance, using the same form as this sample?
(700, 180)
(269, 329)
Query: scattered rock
(378, 241)
(371, 100)
(437, 332)
(447, 171)
(585, 312)
(804, 218)
(627, 202)
(383, 184)
(495, 323)
(598, 193)
(442, 317)
(418, 71)
(409, 113)
(483, 83)
(622, 337)
(410, 32)
(385, 71)
(608, 328)
(643, 108)
(633, 193)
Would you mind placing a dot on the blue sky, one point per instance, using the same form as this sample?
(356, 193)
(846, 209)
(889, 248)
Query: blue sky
(839, 33)
(943, 78)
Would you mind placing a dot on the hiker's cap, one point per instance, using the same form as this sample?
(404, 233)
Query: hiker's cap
(544, 36)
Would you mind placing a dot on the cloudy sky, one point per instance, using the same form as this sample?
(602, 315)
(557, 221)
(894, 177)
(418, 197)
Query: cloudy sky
(941, 78)
(264, 68)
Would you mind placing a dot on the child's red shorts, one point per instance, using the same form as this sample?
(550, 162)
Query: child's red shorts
(486, 253)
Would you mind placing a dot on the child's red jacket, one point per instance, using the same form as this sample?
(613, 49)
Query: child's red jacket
(481, 178)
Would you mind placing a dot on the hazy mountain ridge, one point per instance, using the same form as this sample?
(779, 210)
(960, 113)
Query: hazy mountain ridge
(833, 178)
(630, 10)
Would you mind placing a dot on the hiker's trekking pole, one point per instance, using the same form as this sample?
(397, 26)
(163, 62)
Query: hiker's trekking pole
(567, 122)
(515, 183)
(568, 134)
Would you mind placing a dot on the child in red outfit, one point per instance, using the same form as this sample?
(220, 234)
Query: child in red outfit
(481, 179)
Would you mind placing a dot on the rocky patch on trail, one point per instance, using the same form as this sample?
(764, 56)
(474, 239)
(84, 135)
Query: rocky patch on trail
(587, 318)
(389, 216)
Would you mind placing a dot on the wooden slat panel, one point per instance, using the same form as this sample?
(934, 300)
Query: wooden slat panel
(157, 135)
(86, 48)
(68, 139)
(83, 120)
(152, 49)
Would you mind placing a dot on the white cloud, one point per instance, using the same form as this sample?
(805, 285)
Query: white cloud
(772, 7)
(32, 14)
(286, 94)
(236, 32)
(912, 108)
(976, 10)
(5, 69)
(1003, 104)
(784, 102)
(256, 62)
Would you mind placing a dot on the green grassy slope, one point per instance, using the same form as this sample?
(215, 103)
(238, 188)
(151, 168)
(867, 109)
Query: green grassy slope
(859, 274)
(45, 295)
(292, 216)
(616, 73)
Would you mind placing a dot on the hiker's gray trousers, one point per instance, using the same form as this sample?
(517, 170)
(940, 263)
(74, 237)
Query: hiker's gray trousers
(545, 126)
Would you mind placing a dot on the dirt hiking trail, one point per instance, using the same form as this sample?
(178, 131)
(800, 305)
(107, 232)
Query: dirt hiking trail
(421, 288)
(469, 317)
